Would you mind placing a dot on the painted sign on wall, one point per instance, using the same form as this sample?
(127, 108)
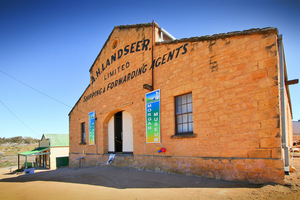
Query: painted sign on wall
(92, 128)
(132, 73)
(153, 117)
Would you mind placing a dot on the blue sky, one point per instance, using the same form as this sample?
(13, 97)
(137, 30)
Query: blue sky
(50, 45)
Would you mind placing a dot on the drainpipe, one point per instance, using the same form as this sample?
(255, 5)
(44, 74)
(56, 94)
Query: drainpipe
(283, 103)
(153, 38)
(96, 134)
(168, 34)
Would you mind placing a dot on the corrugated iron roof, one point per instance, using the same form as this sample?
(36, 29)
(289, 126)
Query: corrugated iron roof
(58, 140)
(34, 151)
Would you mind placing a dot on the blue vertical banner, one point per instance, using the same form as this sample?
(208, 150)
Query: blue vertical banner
(92, 128)
(153, 117)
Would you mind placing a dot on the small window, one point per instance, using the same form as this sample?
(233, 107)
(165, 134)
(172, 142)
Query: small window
(184, 114)
(82, 133)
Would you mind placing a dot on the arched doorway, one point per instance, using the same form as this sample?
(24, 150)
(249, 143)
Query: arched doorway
(120, 133)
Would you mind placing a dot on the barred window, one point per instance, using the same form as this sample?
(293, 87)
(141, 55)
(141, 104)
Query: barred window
(184, 114)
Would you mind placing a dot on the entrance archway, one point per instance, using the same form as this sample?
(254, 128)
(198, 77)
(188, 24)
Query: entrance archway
(120, 133)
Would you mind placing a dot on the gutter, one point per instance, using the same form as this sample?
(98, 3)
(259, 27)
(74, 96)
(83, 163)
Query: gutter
(283, 104)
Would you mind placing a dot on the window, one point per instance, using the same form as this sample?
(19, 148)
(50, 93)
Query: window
(83, 133)
(184, 114)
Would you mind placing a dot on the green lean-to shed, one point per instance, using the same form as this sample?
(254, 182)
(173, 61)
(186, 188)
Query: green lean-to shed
(52, 153)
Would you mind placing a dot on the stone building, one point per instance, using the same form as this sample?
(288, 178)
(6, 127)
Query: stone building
(217, 106)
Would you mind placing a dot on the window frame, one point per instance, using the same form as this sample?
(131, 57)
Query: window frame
(177, 133)
(82, 133)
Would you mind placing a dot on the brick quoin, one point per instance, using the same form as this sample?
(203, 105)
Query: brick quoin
(234, 81)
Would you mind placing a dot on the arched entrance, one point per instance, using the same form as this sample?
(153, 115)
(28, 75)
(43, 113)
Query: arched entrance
(120, 133)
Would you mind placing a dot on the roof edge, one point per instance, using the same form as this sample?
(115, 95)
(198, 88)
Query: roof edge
(137, 25)
(223, 35)
(116, 27)
(78, 100)
(122, 27)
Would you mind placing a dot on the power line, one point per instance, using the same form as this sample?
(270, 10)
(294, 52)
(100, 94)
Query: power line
(35, 89)
(39, 91)
(17, 117)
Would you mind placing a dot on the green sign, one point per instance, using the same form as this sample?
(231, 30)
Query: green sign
(153, 117)
(92, 128)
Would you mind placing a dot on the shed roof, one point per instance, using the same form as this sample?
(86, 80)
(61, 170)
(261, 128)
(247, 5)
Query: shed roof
(58, 140)
(35, 151)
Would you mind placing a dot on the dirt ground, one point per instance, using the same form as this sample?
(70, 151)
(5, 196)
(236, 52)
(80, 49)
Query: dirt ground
(119, 183)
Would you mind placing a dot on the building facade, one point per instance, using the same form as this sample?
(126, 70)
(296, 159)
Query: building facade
(296, 131)
(58, 149)
(210, 106)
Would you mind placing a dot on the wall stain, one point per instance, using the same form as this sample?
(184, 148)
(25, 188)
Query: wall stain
(271, 49)
(227, 41)
(213, 63)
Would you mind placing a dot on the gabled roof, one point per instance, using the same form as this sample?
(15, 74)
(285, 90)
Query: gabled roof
(123, 27)
(57, 140)
(116, 27)
(192, 39)
(79, 100)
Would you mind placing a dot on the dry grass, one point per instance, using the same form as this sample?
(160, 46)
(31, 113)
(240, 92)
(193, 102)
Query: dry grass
(9, 153)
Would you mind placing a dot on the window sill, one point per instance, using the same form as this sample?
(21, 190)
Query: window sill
(120, 153)
(82, 143)
(191, 135)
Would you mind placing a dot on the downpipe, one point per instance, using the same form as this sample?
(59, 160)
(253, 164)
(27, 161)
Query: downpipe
(283, 111)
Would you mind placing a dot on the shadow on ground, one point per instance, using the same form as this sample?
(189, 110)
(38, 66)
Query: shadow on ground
(122, 178)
